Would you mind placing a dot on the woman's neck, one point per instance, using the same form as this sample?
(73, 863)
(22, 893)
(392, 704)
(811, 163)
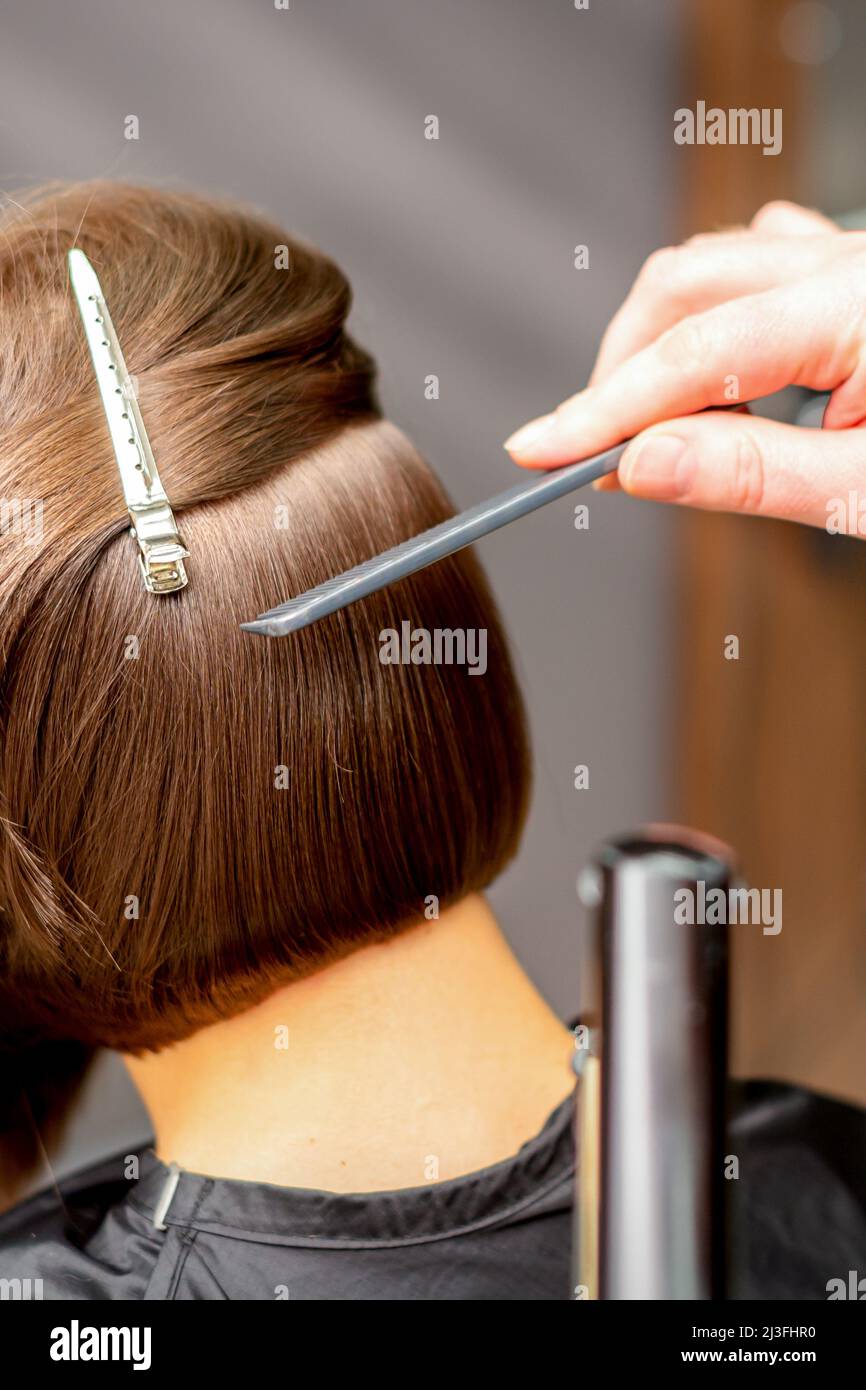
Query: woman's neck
(409, 1062)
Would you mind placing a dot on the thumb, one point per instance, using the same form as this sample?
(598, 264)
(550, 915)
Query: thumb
(742, 463)
(781, 218)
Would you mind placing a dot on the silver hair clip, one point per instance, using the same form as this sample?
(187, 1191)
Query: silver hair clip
(161, 549)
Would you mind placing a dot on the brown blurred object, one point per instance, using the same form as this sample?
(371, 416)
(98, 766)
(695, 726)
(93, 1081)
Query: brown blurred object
(774, 744)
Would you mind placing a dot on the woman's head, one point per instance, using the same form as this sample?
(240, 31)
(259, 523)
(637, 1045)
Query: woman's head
(193, 816)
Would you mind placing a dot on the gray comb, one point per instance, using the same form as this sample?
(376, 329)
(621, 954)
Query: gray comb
(432, 545)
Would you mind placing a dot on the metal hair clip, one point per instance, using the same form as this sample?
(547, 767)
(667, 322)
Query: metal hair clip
(162, 551)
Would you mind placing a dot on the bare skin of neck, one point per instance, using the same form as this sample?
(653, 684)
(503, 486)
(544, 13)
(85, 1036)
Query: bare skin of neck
(411, 1062)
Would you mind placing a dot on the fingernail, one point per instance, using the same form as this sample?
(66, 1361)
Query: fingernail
(661, 467)
(530, 435)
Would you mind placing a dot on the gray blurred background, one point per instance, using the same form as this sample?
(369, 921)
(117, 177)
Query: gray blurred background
(555, 130)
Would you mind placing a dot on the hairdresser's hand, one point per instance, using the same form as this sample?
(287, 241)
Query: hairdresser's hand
(780, 303)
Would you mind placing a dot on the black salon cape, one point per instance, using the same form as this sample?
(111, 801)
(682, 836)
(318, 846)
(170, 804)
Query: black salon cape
(501, 1233)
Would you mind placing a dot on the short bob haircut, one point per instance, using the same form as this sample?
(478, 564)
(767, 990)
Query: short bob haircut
(191, 816)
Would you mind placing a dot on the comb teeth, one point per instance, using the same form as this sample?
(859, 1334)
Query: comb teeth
(445, 539)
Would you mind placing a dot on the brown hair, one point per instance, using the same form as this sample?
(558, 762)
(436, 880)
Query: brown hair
(153, 875)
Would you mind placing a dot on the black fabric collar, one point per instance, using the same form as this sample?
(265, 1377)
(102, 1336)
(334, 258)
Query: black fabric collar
(543, 1168)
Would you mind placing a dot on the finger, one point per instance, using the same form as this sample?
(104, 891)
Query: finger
(681, 280)
(781, 218)
(610, 482)
(741, 350)
(745, 464)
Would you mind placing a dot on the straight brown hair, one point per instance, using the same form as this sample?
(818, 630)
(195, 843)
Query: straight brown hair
(191, 816)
